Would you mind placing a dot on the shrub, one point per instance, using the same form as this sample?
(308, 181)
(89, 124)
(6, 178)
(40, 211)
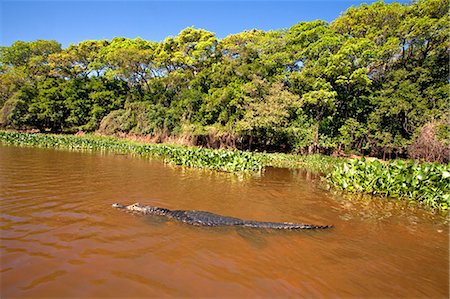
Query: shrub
(428, 146)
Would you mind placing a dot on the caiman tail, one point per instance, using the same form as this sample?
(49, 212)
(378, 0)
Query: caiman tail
(283, 225)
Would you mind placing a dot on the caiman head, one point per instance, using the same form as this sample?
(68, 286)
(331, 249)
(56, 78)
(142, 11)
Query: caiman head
(133, 207)
(118, 206)
(136, 207)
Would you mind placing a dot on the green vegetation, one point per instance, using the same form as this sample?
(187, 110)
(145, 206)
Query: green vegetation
(367, 83)
(373, 82)
(316, 163)
(222, 160)
(216, 159)
(427, 183)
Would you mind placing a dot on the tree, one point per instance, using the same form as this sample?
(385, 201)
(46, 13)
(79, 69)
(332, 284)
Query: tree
(268, 109)
(133, 61)
(24, 63)
(365, 83)
(79, 60)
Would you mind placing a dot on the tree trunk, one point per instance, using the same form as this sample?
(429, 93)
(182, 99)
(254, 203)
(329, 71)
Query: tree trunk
(316, 137)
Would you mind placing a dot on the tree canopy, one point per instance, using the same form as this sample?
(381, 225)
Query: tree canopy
(366, 83)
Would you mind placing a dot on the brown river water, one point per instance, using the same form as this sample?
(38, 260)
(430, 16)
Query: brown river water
(60, 237)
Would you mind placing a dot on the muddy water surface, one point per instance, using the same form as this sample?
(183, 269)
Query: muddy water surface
(61, 238)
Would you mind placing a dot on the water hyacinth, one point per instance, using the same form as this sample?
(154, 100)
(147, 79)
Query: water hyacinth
(427, 183)
(316, 163)
(221, 160)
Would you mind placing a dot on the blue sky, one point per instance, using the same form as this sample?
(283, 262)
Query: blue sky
(74, 21)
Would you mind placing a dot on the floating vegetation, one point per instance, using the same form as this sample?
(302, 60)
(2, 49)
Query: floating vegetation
(427, 183)
(222, 160)
(316, 163)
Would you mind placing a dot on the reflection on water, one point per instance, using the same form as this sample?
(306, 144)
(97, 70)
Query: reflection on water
(60, 236)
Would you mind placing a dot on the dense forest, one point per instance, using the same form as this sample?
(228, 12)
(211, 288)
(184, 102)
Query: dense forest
(375, 81)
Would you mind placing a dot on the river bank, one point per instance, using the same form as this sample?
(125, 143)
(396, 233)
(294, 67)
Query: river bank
(215, 159)
(426, 183)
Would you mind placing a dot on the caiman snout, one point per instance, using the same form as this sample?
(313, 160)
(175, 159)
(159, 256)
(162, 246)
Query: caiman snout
(118, 205)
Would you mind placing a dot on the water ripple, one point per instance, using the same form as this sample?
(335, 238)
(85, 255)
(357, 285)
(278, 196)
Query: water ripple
(60, 236)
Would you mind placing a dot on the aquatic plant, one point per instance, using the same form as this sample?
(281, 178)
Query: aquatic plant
(427, 183)
(316, 163)
(222, 160)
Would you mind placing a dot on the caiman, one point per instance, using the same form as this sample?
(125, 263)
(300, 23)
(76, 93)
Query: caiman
(202, 218)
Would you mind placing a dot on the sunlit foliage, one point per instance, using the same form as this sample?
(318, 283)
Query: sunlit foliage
(427, 183)
(366, 83)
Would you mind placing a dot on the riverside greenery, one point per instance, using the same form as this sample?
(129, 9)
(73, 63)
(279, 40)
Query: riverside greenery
(427, 183)
(365, 83)
(221, 160)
